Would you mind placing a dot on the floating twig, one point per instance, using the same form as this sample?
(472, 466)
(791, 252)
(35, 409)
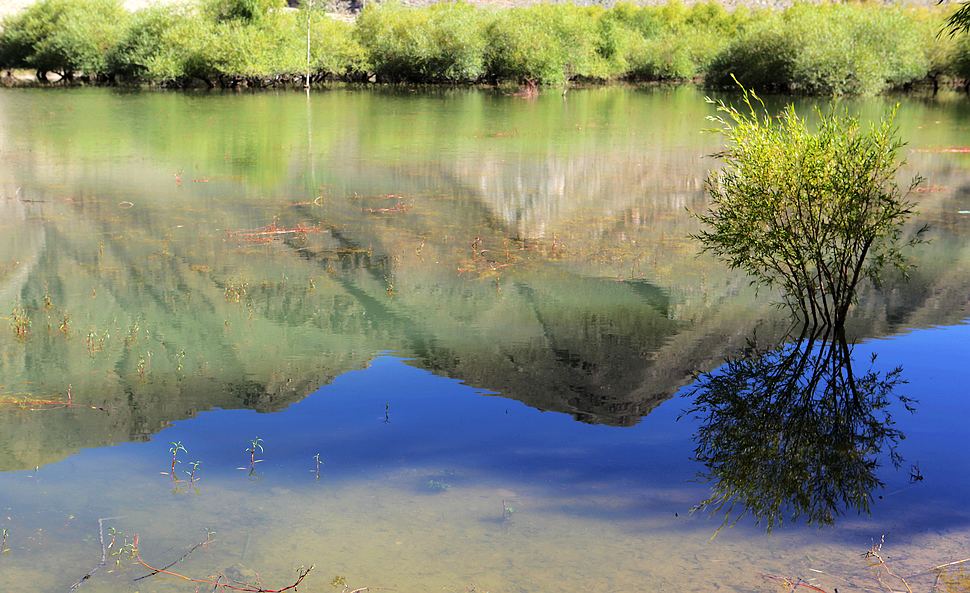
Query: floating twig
(931, 189)
(201, 544)
(273, 230)
(794, 584)
(938, 568)
(402, 207)
(104, 554)
(217, 582)
(876, 552)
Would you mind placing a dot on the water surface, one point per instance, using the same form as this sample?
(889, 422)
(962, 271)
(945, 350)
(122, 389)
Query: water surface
(484, 326)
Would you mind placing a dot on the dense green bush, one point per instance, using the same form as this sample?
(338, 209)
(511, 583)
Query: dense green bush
(672, 41)
(139, 54)
(545, 43)
(63, 36)
(241, 10)
(178, 46)
(821, 49)
(163, 45)
(442, 43)
(828, 49)
(334, 50)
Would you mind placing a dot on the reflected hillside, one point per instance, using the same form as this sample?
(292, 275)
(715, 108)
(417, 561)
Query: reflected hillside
(537, 250)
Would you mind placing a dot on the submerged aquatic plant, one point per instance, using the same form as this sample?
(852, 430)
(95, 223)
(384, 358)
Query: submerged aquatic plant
(438, 485)
(4, 534)
(21, 322)
(235, 290)
(507, 510)
(132, 336)
(65, 325)
(95, 343)
(119, 546)
(144, 364)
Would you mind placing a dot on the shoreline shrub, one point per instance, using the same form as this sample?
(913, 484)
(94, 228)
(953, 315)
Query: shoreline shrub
(810, 49)
(442, 43)
(545, 44)
(827, 49)
(63, 36)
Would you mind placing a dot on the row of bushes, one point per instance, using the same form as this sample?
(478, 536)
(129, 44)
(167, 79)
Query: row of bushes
(823, 49)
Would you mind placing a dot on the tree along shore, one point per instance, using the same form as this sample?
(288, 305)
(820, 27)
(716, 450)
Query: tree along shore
(824, 49)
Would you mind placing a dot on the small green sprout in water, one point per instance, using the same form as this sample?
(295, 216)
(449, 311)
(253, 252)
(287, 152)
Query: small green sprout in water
(175, 449)
(194, 473)
(318, 462)
(48, 302)
(254, 446)
(179, 361)
(338, 582)
(125, 549)
(21, 322)
(507, 510)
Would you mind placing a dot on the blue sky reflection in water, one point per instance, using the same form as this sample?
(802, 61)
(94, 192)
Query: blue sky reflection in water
(526, 319)
(451, 454)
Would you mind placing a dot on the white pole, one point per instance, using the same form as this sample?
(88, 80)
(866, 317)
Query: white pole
(309, 7)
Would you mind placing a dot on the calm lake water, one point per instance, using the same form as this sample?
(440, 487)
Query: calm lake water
(485, 327)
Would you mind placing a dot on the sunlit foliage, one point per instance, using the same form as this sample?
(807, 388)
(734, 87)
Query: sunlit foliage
(827, 49)
(812, 213)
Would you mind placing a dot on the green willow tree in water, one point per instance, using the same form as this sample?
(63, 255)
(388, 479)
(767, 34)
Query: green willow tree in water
(810, 213)
(792, 431)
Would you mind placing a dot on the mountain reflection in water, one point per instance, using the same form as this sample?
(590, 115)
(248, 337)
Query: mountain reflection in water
(551, 266)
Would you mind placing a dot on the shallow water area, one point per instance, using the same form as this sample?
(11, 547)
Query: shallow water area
(482, 313)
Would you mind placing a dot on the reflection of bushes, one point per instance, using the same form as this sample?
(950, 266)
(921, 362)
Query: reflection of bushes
(829, 49)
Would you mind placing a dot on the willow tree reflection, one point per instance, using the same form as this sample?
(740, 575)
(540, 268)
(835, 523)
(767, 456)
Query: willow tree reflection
(795, 432)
